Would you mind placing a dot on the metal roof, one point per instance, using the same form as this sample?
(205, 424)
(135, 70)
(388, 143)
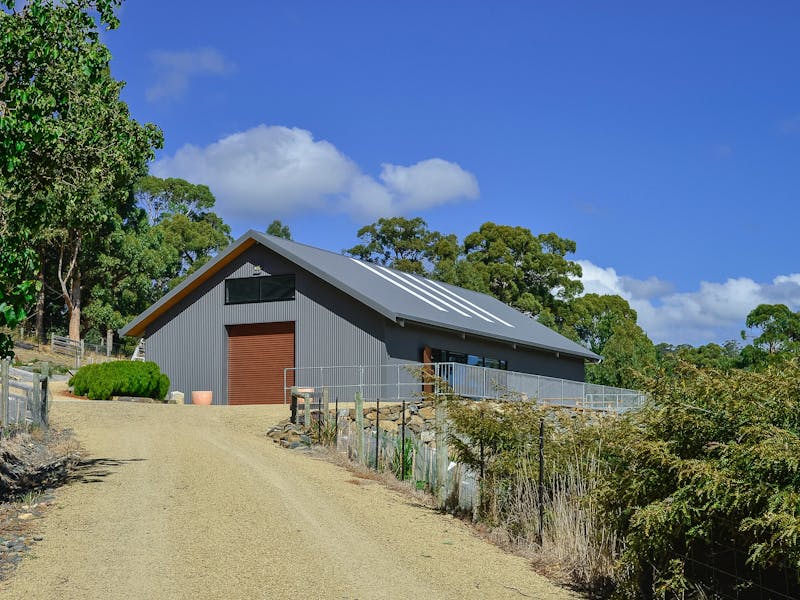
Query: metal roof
(399, 296)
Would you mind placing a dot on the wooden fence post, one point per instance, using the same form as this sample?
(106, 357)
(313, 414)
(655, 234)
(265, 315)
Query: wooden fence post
(36, 399)
(442, 458)
(325, 405)
(4, 392)
(360, 427)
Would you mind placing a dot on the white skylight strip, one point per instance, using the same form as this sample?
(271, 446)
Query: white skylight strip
(453, 294)
(441, 295)
(398, 284)
(406, 278)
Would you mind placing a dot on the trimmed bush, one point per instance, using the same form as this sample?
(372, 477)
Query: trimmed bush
(120, 378)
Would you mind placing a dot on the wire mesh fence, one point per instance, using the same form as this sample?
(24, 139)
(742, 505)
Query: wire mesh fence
(408, 381)
(379, 435)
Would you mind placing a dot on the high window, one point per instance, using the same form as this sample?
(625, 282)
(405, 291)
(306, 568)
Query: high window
(268, 288)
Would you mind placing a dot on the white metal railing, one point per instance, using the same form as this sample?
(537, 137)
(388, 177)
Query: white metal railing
(138, 353)
(404, 381)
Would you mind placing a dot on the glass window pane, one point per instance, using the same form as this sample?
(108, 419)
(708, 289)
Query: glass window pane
(242, 290)
(277, 287)
(457, 357)
(476, 361)
(492, 363)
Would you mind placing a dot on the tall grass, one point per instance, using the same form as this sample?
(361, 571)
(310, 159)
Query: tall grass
(577, 546)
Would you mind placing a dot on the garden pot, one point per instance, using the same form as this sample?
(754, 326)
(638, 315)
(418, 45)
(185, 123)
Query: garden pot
(202, 398)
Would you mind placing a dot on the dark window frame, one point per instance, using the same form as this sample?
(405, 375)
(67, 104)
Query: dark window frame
(290, 284)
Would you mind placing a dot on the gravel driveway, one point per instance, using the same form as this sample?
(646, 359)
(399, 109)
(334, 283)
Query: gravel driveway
(195, 502)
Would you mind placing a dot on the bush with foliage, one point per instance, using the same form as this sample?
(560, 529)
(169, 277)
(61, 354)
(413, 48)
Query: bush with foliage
(120, 378)
(715, 459)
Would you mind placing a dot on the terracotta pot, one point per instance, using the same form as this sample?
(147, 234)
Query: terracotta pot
(202, 398)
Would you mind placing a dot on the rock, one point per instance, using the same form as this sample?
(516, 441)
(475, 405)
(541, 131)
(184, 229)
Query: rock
(372, 416)
(25, 516)
(305, 439)
(176, 398)
(426, 437)
(294, 445)
(427, 413)
(38, 538)
(389, 426)
(416, 420)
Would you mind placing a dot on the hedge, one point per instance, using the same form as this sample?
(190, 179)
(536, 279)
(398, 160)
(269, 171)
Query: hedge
(120, 378)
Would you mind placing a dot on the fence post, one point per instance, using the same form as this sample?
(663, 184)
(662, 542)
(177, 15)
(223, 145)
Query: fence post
(377, 431)
(360, 427)
(326, 404)
(109, 340)
(4, 391)
(336, 417)
(36, 398)
(541, 481)
(403, 441)
(44, 406)
(441, 453)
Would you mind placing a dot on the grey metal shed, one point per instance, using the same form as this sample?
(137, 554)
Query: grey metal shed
(324, 309)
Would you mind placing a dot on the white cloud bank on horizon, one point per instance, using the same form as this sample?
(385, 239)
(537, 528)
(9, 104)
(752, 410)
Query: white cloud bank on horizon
(174, 70)
(712, 313)
(272, 170)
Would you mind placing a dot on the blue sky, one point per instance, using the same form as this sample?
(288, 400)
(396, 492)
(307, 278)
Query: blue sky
(663, 138)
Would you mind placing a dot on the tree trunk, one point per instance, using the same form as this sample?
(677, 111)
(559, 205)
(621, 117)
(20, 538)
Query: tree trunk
(40, 302)
(75, 308)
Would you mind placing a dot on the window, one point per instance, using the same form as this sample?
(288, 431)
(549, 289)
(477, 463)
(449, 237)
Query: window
(269, 288)
(440, 355)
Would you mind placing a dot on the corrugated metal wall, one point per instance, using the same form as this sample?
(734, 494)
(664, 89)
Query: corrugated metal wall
(405, 344)
(190, 342)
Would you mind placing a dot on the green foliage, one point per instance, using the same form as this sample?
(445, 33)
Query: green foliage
(173, 196)
(527, 271)
(120, 378)
(280, 230)
(17, 288)
(401, 460)
(715, 456)
(404, 244)
(628, 357)
(780, 328)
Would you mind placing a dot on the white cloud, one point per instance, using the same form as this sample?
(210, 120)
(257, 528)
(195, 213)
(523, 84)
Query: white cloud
(174, 70)
(274, 170)
(712, 312)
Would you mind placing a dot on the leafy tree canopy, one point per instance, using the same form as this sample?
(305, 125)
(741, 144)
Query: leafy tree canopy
(278, 229)
(404, 244)
(527, 271)
(779, 326)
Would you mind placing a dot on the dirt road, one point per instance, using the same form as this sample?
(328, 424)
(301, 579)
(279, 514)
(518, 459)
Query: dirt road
(195, 502)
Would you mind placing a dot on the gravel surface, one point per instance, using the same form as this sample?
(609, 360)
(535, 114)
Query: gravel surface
(195, 502)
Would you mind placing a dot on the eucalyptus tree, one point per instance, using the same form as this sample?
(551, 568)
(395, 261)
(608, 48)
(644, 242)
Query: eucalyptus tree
(70, 149)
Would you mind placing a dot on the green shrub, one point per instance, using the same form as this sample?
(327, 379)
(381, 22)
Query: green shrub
(120, 378)
(714, 459)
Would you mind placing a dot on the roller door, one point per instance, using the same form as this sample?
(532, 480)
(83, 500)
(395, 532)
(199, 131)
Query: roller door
(257, 355)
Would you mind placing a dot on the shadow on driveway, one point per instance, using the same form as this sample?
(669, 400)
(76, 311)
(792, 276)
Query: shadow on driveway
(94, 470)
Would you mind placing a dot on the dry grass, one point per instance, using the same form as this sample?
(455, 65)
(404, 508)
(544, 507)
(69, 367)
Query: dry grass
(577, 547)
(387, 478)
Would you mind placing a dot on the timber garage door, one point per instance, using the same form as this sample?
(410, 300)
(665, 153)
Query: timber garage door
(257, 356)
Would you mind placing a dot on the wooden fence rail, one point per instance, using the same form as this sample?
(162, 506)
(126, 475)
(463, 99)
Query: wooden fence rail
(23, 396)
(68, 347)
